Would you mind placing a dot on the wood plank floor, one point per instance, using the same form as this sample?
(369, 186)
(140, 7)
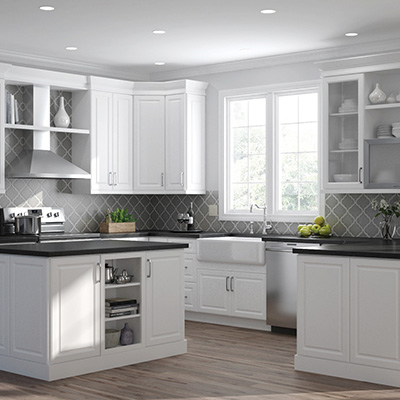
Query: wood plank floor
(222, 363)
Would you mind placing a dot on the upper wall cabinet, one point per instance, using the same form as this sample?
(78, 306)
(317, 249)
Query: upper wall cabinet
(109, 156)
(361, 126)
(169, 138)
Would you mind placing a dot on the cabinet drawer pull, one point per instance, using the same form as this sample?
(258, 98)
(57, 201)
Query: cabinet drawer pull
(150, 264)
(227, 283)
(114, 179)
(232, 283)
(186, 297)
(162, 178)
(110, 179)
(182, 179)
(359, 175)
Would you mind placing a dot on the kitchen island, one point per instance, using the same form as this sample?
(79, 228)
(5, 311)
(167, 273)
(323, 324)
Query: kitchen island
(348, 315)
(52, 305)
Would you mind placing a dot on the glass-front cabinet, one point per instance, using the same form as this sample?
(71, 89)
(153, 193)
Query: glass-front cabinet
(343, 106)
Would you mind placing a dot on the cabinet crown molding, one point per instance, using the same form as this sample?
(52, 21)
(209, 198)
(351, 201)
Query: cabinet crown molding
(360, 64)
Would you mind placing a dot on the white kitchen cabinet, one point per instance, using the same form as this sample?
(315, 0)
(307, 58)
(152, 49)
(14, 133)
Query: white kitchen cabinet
(169, 139)
(371, 164)
(111, 142)
(4, 304)
(29, 333)
(164, 298)
(323, 307)
(190, 269)
(75, 308)
(56, 312)
(233, 293)
(149, 144)
(375, 312)
(343, 132)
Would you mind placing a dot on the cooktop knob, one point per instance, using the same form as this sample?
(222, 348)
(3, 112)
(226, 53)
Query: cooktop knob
(56, 214)
(49, 214)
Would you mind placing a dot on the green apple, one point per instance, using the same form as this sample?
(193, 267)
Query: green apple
(325, 230)
(300, 227)
(315, 228)
(309, 226)
(319, 220)
(305, 232)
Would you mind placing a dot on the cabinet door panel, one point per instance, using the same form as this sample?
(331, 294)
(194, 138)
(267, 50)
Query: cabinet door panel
(165, 298)
(4, 304)
(323, 307)
(214, 292)
(75, 308)
(175, 143)
(149, 143)
(190, 296)
(123, 143)
(375, 319)
(249, 295)
(101, 142)
(28, 309)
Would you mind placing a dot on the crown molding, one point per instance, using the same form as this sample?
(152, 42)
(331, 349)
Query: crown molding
(60, 65)
(290, 58)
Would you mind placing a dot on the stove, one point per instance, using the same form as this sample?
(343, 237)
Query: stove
(52, 220)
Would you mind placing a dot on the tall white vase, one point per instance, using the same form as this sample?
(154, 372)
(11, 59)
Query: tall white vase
(61, 119)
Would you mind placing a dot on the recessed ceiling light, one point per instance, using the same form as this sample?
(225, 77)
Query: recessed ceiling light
(351, 34)
(46, 8)
(159, 63)
(71, 48)
(159, 32)
(268, 11)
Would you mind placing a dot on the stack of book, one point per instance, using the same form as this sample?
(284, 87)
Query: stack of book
(117, 307)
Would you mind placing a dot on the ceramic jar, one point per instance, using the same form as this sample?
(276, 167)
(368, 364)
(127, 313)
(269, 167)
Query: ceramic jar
(126, 335)
(61, 119)
(377, 96)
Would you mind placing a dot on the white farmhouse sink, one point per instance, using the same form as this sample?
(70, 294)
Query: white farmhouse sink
(232, 249)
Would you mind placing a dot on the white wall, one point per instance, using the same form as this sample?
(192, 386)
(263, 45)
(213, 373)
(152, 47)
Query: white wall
(241, 79)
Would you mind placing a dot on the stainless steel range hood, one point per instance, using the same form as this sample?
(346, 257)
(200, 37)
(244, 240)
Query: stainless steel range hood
(38, 161)
(43, 164)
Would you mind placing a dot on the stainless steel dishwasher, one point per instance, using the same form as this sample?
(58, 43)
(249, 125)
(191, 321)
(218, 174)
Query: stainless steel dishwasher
(282, 283)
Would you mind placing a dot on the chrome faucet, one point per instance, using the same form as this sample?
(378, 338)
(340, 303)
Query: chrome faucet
(267, 225)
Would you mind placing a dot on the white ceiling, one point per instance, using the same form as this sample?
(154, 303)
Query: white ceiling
(117, 34)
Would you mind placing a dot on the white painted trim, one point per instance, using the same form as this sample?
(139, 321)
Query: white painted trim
(227, 321)
(382, 376)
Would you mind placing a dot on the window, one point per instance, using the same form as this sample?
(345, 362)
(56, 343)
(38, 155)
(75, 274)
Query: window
(270, 152)
(296, 138)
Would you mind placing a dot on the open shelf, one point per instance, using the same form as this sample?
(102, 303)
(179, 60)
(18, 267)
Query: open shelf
(382, 106)
(122, 317)
(120, 285)
(47, 128)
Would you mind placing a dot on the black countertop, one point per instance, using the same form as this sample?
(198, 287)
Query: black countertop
(101, 246)
(369, 248)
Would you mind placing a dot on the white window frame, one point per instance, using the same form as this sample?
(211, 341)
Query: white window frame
(268, 92)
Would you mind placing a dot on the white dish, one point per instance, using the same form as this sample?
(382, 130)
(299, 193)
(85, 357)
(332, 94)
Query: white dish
(345, 177)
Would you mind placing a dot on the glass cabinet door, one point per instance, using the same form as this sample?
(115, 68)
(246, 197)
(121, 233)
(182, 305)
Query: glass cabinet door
(342, 126)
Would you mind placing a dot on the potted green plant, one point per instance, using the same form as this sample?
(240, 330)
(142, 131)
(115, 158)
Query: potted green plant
(118, 221)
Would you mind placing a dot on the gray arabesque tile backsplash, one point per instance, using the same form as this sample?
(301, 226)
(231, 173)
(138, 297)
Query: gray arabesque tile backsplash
(349, 215)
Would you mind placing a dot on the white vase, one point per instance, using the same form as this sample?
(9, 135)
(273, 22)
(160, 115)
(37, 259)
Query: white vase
(61, 119)
(377, 95)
